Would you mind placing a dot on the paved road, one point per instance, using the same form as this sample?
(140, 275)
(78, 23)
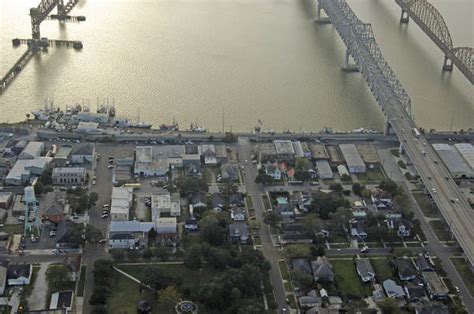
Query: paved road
(434, 247)
(103, 187)
(452, 203)
(271, 253)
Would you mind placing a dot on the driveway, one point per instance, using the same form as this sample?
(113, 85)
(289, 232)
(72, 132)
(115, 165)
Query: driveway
(37, 298)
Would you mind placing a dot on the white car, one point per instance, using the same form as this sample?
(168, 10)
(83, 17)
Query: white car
(21, 218)
(104, 215)
(33, 239)
(93, 182)
(110, 166)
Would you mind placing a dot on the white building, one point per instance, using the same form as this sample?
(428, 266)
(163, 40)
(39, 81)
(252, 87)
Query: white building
(69, 176)
(165, 203)
(88, 128)
(342, 170)
(456, 164)
(120, 203)
(354, 161)
(166, 225)
(24, 169)
(324, 169)
(467, 152)
(148, 165)
(32, 150)
(208, 153)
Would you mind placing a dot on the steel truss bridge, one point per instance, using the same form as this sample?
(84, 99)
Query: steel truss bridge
(428, 18)
(396, 105)
(38, 15)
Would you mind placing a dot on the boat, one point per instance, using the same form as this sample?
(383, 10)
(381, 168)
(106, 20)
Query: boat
(169, 127)
(198, 129)
(140, 125)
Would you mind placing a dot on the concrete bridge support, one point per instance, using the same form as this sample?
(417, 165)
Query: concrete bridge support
(388, 127)
(404, 18)
(347, 66)
(321, 20)
(401, 149)
(448, 64)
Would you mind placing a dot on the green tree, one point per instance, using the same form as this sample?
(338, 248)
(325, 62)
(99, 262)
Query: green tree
(390, 186)
(301, 175)
(229, 188)
(271, 218)
(58, 278)
(346, 177)
(118, 255)
(162, 253)
(39, 188)
(93, 234)
(169, 295)
(147, 253)
(152, 234)
(389, 306)
(336, 187)
(211, 231)
(46, 178)
(190, 185)
(193, 257)
(263, 177)
(357, 188)
(302, 277)
(93, 198)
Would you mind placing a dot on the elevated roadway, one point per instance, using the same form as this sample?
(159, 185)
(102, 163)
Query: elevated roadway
(394, 101)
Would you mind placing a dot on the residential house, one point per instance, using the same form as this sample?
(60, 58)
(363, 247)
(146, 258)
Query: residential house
(423, 264)
(54, 206)
(192, 166)
(310, 300)
(392, 289)
(403, 229)
(238, 232)
(221, 154)
(381, 199)
(82, 153)
(62, 300)
(229, 172)
(208, 154)
(415, 293)
(237, 214)
(69, 176)
(129, 234)
(217, 202)
(283, 207)
(357, 230)
(365, 270)
(19, 274)
(236, 200)
(198, 200)
(322, 270)
(273, 171)
(436, 288)
(405, 268)
(191, 225)
(294, 232)
(302, 265)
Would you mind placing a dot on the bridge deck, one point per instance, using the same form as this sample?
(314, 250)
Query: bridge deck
(392, 98)
(16, 69)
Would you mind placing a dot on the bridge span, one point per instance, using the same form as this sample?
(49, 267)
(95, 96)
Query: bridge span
(428, 18)
(396, 105)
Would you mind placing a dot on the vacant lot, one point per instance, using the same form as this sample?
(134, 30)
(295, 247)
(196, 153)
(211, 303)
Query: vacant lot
(425, 204)
(347, 280)
(371, 176)
(382, 268)
(440, 229)
(465, 273)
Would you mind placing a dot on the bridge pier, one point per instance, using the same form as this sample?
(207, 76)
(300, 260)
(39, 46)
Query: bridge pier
(321, 20)
(404, 18)
(401, 149)
(388, 127)
(448, 64)
(347, 66)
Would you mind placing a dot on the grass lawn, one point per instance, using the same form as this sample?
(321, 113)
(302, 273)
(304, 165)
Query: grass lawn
(348, 281)
(465, 273)
(266, 202)
(425, 204)
(209, 174)
(382, 269)
(13, 228)
(371, 176)
(126, 295)
(284, 270)
(28, 289)
(190, 277)
(268, 290)
(249, 202)
(440, 230)
(82, 281)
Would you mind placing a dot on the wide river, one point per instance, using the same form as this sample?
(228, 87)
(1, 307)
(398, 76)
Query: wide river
(231, 63)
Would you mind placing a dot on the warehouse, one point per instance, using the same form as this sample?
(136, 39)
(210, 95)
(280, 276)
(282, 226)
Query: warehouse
(453, 161)
(324, 169)
(467, 152)
(120, 204)
(354, 162)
